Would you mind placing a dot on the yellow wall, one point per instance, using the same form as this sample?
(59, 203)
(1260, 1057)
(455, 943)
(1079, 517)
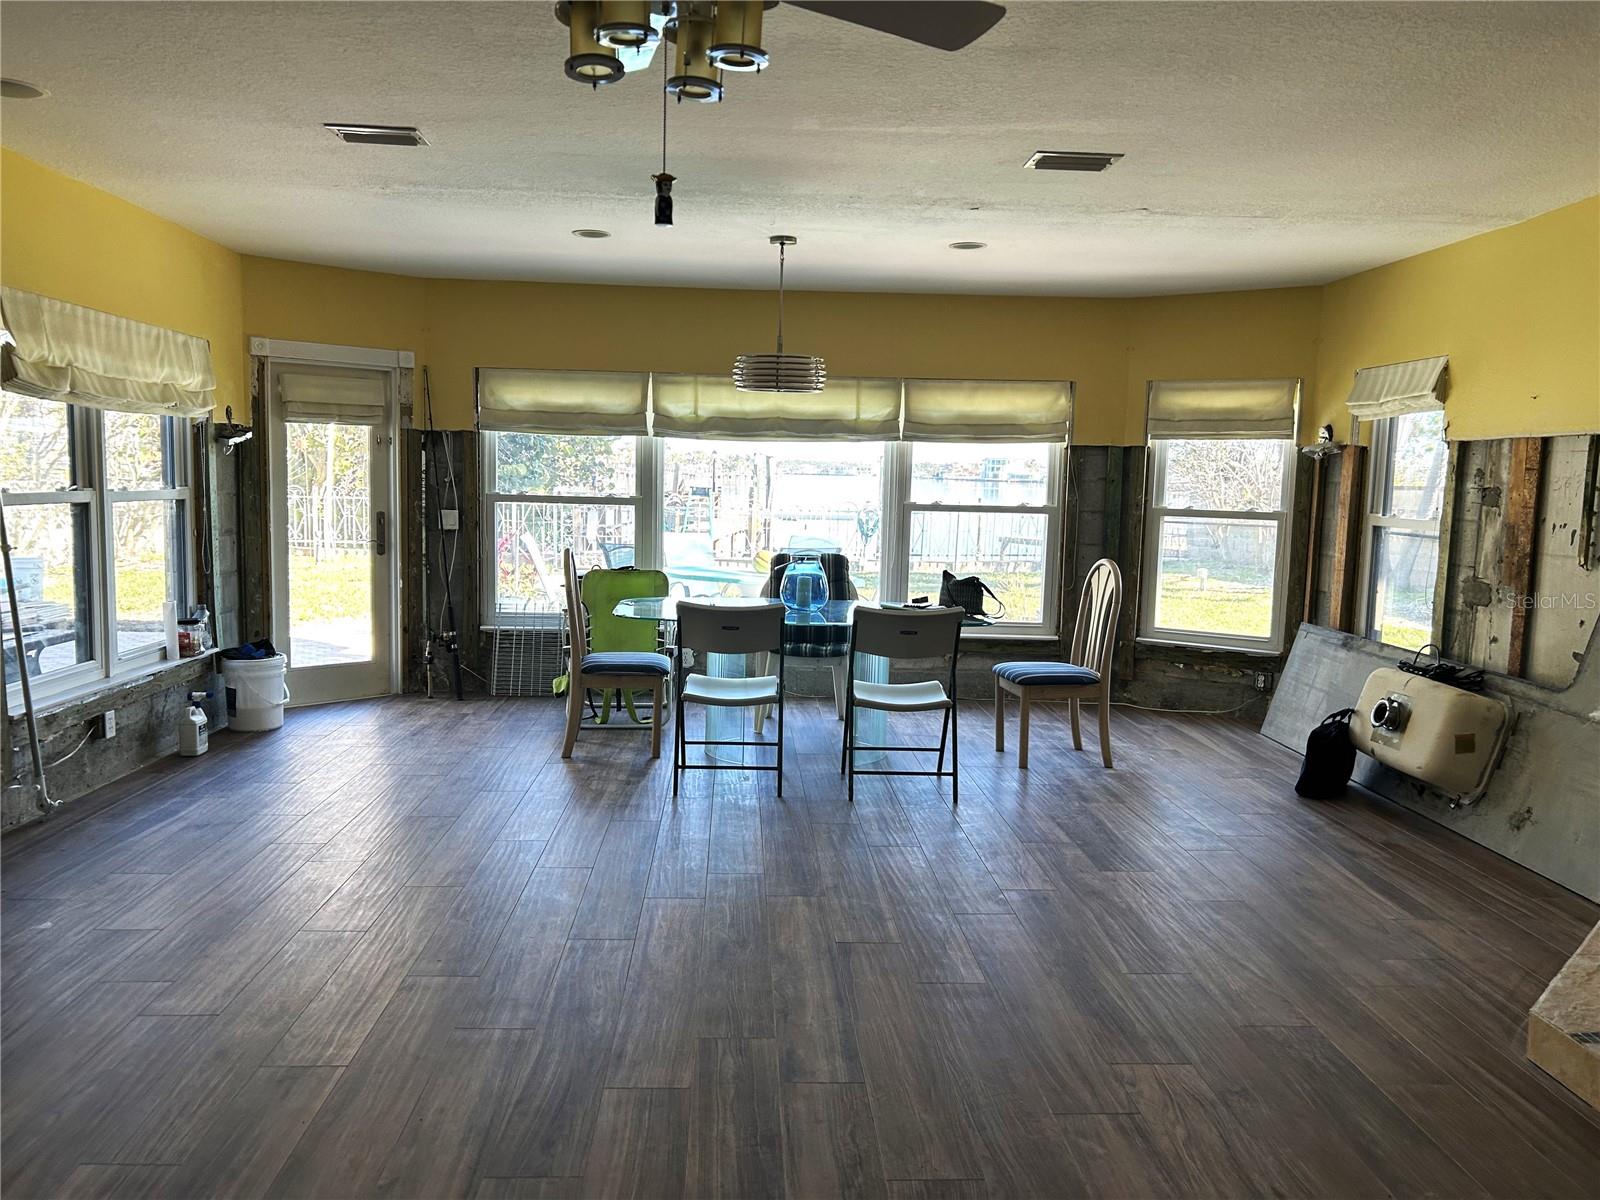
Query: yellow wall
(65, 239)
(1269, 334)
(302, 302)
(1517, 310)
(475, 324)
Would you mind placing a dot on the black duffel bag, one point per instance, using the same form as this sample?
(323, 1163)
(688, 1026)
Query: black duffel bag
(1330, 758)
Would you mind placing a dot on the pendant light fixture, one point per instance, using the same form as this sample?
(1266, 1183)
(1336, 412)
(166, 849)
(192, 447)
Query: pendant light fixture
(736, 39)
(779, 372)
(589, 62)
(695, 78)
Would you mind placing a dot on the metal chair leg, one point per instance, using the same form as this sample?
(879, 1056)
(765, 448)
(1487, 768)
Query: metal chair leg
(955, 752)
(999, 716)
(944, 735)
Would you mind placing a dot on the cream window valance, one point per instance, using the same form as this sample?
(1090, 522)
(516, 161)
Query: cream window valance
(78, 355)
(332, 396)
(1399, 388)
(862, 410)
(1222, 408)
(515, 400)
(968, 410)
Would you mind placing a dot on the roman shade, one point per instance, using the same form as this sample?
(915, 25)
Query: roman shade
(516, 400)
(331, 396)
(1189, 409)
(1399, 388)
(78, 355)
(707, 406)
(968, 410)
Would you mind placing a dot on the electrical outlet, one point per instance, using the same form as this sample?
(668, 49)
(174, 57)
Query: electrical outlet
(449, 518)
(109, 724)
(1263, 681)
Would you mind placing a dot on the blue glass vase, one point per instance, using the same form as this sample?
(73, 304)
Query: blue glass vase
(805, 584)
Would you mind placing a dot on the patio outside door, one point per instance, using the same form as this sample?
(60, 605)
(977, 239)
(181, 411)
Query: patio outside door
(333, 539)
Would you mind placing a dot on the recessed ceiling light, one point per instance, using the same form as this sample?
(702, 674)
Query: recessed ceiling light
(591, 233)
(1070, 160)
(376, 135)
(15, 89)
(968, 245)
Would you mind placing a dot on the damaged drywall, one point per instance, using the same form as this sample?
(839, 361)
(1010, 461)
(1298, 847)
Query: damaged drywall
(1542, 806)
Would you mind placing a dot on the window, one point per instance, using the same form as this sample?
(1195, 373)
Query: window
(98, 511)
(727, 507)
(723, 508)
(985, 509)
(547, 492)
(1215, 541)
(1405, 496)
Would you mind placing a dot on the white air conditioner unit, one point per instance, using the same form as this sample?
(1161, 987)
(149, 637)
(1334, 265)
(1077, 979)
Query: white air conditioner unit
(1448, 738)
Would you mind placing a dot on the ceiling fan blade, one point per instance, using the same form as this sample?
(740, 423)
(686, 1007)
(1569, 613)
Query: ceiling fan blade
(942, 24)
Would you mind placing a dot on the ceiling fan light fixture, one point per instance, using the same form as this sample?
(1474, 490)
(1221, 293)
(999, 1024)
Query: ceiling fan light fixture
(589, 62)
(625, 25)
(736, 37)
(780, 372)
(694, 78)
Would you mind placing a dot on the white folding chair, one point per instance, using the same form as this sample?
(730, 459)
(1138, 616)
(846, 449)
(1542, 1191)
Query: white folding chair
(901, 633)
(726, 629)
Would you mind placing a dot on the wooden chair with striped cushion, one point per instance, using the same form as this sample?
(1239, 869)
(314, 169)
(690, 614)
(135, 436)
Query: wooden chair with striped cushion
(1086, 675)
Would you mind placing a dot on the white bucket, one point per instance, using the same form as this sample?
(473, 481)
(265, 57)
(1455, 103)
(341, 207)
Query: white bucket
(256, 692)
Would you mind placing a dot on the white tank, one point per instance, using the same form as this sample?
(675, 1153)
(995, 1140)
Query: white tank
(1439, 734)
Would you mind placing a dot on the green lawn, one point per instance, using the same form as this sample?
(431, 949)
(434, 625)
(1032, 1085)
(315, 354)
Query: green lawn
(336, 587)
(1235, 607)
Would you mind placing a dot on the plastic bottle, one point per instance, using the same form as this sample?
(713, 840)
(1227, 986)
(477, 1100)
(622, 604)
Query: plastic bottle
(193, 728)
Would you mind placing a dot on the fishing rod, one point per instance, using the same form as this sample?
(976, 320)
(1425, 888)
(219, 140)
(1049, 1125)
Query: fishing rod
(447, 638)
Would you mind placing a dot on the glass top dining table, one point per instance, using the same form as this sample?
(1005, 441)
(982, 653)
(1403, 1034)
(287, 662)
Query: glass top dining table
(665, 608)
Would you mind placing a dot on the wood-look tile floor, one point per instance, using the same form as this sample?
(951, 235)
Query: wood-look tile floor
(401, 949)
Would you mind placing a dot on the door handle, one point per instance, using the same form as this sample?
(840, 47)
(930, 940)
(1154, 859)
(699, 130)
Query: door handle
(383, 533)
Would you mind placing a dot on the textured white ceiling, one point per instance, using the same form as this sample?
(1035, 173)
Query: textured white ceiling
(1266, 144)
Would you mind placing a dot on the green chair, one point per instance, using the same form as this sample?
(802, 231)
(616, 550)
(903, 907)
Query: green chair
(600, 591)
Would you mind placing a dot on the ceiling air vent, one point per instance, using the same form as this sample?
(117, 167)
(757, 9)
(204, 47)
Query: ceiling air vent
(377, 135)
(1069, 160)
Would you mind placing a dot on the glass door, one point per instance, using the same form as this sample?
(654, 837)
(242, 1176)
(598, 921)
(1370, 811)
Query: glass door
(333, 544)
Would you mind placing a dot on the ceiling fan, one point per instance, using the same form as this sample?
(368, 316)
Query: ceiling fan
(613, 38)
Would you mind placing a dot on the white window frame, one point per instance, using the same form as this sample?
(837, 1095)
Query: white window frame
(894, 560)
(645, 502)
(1380, 457)
(107, 665)
(1149, 631)
(896, 549)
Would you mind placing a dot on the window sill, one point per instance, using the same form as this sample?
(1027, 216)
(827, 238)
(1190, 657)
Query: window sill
(978, 633)
(1208, 647)
(55, 702)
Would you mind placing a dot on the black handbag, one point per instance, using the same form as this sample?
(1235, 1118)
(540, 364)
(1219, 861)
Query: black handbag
(968, 594)
(1330, 758)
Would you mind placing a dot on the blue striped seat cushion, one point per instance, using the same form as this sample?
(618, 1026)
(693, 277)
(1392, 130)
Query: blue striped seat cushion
(626, 662)
(1046, 674)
